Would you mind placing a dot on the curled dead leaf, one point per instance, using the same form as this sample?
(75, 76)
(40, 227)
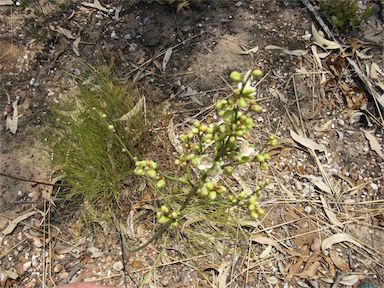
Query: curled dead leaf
(322, 42)
(338, 238)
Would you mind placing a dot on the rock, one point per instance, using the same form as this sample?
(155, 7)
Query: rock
(118, 266)
(95, 252)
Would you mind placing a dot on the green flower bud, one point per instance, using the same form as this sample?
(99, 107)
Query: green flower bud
(183, 138)
(190, 157)
(153, 164)
(197, 123)
(228, 170)
(195, 161)
(211, 129)
(203, 128)
(163, 219)
(152, 173)
(174, 215)
(209, 186)
(249, 90)
(139, 171)
(235, 76)
(221, 190)
(256, 108)
(204, 192)
(251, 207)
(257, 73)
(264, 166)
(260, 157)
(212, 195)
(195, 131)
(164, 209)
(260, 211)
(208, 136)
(196, 148)
(272, 141)
(160, 184)
(242, 103)
(190, 135)
(177, 162)
(242, 195)
(251, 200)
(254, 215)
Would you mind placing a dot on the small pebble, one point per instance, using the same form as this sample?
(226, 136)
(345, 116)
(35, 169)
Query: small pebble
(118, 266)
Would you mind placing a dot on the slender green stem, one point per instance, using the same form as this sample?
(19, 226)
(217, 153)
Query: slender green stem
(125, 147)
(173, 178)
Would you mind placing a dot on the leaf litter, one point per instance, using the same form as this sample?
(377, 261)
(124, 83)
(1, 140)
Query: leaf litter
(294, 233)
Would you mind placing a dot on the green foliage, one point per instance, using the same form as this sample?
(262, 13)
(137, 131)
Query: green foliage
(210, 150)
(344, 14)
(92, 149)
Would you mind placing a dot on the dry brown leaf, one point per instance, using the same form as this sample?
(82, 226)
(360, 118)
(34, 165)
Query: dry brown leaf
(373, 143)
(330, 214)
(266, 252)
(250, 51)
(224, 270)
(349, 280)
(310, 271)
(316, 244)
(65, 32)
(6, 2)
(331, 266)
(11, 123)
(339, 262)
(166, 58)
(264, 240)
(134, 111)
(362, 55)
(338, 238)
(13, 223)
(96, 4)
(322, 42)
(243, 184)
(306, 142)
(294, 269)
(75, 46)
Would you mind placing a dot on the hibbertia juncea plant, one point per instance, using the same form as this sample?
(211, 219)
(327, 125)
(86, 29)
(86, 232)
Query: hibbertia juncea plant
(212, 149)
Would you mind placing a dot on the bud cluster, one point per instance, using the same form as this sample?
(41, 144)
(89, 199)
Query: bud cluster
(250, 201)
(148, 168)
(211, 190)
(165, 215)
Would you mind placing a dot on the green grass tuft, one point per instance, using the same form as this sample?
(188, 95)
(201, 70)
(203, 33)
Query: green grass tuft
(87, 152)
(344, 14)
